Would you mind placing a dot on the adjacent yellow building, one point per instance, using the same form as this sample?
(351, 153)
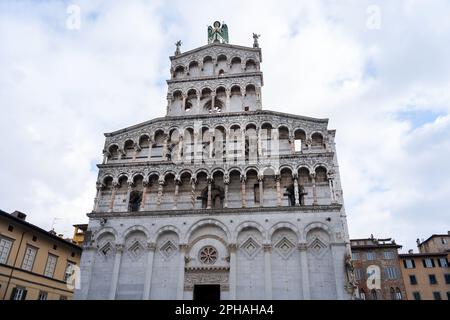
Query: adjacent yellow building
(427, 274)
(34, 264)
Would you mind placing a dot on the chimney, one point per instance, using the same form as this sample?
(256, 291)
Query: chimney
(410, 251)
(19, 215)
(418, 242)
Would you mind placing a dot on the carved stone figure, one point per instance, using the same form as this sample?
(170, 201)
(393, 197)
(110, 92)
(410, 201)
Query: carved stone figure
(178, 45)
(255, 40)
(218, 33)
(349, 269)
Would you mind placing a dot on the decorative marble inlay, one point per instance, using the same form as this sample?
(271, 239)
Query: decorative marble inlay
(284, 247)
(136, 250)
(317, 247)
(168, 249)
(250, 247)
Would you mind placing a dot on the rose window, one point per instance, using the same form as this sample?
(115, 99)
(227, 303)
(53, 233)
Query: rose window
(208, 255)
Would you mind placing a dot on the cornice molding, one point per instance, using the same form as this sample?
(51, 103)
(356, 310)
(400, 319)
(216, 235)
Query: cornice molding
(218, 212)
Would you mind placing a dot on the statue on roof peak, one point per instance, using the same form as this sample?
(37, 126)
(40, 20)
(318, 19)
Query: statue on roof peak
(218, 33)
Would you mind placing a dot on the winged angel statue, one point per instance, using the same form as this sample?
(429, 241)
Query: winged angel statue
(218, 33)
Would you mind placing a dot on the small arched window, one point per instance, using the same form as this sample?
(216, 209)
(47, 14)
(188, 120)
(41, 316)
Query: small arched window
(135, 201)
(321, 175)
(317, 140)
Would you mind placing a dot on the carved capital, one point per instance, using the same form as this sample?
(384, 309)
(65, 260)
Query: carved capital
(120, 247)
(302, 246)
(151, 246)
(232, 247)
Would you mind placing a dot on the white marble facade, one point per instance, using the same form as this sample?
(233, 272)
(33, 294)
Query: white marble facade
(218, 192)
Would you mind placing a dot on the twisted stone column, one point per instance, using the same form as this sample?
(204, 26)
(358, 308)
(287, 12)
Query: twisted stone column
(296, 193)
(209, 200)
(193, 183)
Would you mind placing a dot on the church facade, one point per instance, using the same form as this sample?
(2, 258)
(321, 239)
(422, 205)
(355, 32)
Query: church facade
(219, 198)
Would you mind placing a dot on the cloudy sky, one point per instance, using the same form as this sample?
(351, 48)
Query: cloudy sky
(379, 70)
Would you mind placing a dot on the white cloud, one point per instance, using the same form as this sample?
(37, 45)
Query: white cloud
(61, 89)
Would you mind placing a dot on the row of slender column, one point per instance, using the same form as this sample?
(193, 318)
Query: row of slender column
(151, 247)
(274, 140)
(215, 64)
(210, 181)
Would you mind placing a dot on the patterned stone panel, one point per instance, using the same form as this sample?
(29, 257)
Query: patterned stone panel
(286, 270)
(250, 265)
(132, 267)
(165, 268)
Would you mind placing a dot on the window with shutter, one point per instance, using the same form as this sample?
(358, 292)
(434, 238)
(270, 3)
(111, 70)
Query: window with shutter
(18, 293)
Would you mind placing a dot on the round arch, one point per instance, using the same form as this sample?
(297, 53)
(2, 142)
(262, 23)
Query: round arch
(249, 224)
(162, 230)
(283, 225)
(204, 222)
(131, 229)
